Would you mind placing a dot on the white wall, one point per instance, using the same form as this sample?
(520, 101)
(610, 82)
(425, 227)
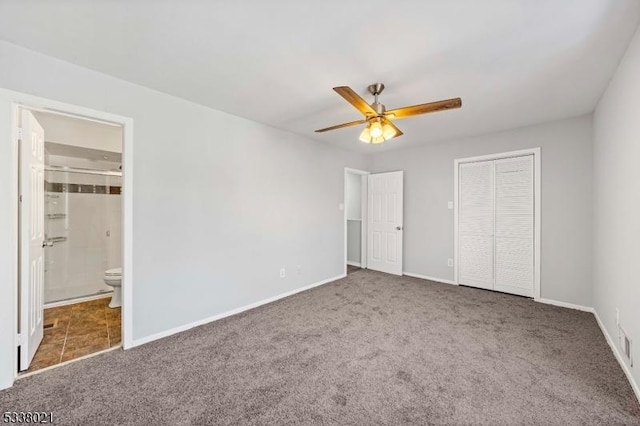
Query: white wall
(354, 241)
(616, 254)
(221, 203)
(566, 160)
(8, 255)
(354, 196)
(354, 217)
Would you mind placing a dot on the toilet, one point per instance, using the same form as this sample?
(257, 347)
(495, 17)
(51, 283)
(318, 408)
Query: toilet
(113, 278)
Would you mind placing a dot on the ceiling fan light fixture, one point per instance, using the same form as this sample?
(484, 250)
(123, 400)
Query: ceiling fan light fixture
(388, 132)
(365, 136)
(375, 129)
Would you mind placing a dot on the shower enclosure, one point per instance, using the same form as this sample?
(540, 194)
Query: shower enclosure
(83, 231)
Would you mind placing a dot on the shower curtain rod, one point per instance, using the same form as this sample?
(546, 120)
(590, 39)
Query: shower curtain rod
(84, 171)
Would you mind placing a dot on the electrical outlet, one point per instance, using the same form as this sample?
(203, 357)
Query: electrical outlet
(450, 205)
(283, 272)
(450, 263)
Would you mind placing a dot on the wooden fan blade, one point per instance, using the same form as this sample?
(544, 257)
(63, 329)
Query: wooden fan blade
(424, 108)
(398, 131)
(354, 99)
(340, 126)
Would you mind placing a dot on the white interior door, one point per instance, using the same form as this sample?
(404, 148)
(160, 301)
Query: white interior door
(31, 237)
(476, 224)
(384, 218)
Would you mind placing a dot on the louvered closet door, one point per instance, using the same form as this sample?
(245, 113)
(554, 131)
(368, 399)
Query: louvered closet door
(514, 225)
(475, 224)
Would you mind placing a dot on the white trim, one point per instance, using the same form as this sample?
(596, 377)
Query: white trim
(618, 355)
(424, 277)
(71, 361)
(175, 330)
(564, 304)
(78, 300)
(537, 214)
(363, 212)
(536, 152)
(127, 234)
(18, 99)
(456, 184)
(350, 263)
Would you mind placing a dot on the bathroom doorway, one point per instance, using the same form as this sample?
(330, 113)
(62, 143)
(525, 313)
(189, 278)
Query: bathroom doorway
(355, 213)
(71, 237)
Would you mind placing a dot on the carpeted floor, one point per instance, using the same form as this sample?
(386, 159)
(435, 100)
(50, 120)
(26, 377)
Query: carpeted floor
(367, 349)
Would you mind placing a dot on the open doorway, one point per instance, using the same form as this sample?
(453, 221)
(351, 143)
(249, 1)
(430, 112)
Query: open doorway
(70, 237)
(355, 209)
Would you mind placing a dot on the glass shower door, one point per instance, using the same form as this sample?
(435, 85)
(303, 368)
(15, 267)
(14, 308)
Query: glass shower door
(83, 231)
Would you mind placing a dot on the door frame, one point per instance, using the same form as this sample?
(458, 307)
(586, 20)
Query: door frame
(536, 207)
(363, 212)
(17, 100)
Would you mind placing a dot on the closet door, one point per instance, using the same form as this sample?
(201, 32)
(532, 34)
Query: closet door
(476, 224)
(514, 226)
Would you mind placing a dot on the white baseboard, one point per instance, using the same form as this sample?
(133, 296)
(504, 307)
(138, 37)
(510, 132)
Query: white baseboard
(166, 333)
(618, 356)
(564, 305)
(424, 277)
(78, 300)
(353, 263)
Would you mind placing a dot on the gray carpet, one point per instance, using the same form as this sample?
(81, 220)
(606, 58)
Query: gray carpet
(367, 349)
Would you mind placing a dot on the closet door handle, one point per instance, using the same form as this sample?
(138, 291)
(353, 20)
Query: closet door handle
(398, 228)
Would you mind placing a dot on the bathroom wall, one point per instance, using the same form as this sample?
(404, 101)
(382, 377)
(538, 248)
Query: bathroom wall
(85, 210)
(80, 133)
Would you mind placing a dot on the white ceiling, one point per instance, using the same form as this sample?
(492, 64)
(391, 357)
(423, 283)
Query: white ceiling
(513, 62)
(78, 132)
(62, 150)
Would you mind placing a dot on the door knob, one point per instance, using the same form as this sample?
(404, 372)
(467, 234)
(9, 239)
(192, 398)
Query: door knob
(47, 243)
(398, 228)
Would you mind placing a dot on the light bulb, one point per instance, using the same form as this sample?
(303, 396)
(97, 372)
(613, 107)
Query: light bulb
(379, 139)
(375, 129)
(365, 136)
(388, 132)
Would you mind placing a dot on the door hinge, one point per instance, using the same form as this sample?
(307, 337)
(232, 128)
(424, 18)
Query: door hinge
(19, 133)
(18, 339)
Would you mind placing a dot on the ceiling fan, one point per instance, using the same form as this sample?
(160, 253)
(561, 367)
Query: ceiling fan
(379, 126)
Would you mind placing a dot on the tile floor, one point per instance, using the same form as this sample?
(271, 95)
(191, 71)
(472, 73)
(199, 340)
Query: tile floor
(73, 331)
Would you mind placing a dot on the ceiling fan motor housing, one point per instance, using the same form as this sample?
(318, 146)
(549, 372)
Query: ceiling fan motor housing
(376, 88)
(380, 109)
